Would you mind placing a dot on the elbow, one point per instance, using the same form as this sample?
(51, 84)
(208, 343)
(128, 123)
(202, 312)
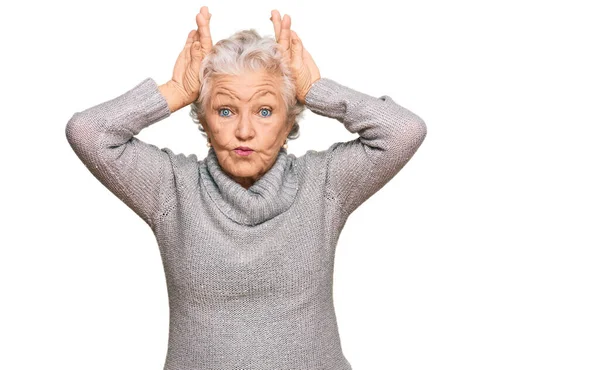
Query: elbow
(405, 132)
(82, 135)
(420, 129)
(410, 131)
(414, 134)
(406, 140)
(406, 129)
(81, 132)
(72, 129)
(75, 132)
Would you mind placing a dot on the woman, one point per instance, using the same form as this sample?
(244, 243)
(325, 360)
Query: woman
(247, 235)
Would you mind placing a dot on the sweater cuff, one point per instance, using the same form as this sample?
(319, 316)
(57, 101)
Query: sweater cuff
(328, 98)
(143, 105)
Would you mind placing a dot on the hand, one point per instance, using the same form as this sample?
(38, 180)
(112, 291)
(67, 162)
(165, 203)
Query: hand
(184, 86)
(304, 69)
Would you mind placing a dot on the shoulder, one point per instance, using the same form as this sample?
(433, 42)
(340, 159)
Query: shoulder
(317, 159)
(183, 165)
(181, 159)
(311, 163)
(314, 163)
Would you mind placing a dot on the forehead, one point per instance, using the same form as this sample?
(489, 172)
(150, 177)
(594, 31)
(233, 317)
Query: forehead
(246, 87)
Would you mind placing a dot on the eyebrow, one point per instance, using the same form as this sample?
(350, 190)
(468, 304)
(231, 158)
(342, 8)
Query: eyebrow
(260, 93)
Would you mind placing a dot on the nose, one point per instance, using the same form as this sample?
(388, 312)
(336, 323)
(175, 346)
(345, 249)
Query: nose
(244, 130)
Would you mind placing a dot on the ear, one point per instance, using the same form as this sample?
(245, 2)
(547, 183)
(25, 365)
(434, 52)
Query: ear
(289, 128)
(204, 122)
(207, 132)
(205, 127)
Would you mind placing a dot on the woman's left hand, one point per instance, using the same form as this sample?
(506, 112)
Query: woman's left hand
(303, 67)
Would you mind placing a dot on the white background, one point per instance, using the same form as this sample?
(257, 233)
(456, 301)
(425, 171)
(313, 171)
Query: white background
(482, 253)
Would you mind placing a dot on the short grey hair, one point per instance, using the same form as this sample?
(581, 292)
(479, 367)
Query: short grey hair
(246, 51)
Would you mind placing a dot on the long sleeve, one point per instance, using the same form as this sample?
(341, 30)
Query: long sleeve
(389, 135)
(103, 138)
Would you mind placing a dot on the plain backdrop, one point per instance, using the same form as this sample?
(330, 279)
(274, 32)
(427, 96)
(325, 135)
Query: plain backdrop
(482, 253)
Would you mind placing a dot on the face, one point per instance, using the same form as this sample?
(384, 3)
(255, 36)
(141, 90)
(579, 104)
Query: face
(246, 111)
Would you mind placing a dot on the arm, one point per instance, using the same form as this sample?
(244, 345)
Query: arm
(389, 135)
(102, 137)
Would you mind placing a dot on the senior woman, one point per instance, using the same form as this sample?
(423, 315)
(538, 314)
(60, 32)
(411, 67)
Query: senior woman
(247, 235)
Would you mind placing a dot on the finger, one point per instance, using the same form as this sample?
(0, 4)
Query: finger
(190, 38)
(203, 22)
(276, 19)
(285, 33)
(207, 15)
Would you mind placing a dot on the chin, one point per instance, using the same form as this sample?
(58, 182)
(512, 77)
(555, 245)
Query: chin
(242, 171)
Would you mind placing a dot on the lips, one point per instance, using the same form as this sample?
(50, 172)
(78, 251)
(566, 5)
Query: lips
(243, 150)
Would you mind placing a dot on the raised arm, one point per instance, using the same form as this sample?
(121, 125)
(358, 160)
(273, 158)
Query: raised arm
(103, 138)
(140, 174)
(389, 135)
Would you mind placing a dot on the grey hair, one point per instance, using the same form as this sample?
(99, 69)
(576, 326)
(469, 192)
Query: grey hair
(246, 51)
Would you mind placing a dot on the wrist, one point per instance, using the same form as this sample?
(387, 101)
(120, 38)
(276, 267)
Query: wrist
(172, 95)
(305, 93)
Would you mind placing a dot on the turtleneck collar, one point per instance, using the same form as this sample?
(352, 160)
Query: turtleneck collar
(270, 195)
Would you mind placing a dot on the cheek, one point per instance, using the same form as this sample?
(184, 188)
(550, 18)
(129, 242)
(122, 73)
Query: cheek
(215, 127)
(270, 136)
(277, 127)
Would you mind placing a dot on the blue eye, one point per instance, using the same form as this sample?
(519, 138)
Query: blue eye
(268, 110)
(227, 109)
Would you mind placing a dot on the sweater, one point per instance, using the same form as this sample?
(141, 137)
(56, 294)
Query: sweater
(249, 272)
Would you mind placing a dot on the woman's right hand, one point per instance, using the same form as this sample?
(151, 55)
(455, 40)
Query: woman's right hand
(184, 87)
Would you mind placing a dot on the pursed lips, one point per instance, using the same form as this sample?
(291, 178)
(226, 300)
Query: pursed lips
(243, 151)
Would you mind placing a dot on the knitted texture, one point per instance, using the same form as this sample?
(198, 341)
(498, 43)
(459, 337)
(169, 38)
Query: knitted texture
(249, 272)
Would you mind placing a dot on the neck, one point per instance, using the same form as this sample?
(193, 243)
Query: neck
(269, 195)
(247, 182)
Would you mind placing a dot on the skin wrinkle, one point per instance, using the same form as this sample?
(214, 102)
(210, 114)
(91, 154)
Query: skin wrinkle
(232, 94)
(245, 125)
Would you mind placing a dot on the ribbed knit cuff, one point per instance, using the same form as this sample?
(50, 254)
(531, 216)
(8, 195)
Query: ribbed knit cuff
(143, 105)
(326, 98)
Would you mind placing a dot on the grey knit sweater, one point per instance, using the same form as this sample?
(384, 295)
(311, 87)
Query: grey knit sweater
(249, 272)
